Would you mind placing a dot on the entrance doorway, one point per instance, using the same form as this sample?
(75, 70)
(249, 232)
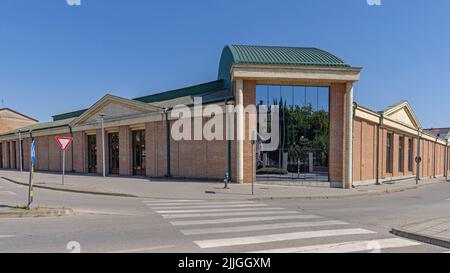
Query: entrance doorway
(113, 144)
(303, 149)
(139, 153)
(92, 153)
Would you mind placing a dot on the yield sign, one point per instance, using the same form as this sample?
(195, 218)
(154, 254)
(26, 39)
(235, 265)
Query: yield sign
(64, 142)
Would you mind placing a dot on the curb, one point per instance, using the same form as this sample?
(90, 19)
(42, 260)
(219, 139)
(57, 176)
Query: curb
(40, 212)
(73, 190)
(421, 238)
(270, 198)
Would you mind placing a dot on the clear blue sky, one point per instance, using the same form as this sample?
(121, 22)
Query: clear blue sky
(56, 58)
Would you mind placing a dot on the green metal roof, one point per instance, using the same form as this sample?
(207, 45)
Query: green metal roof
(73, 114)
(274, 55)
(194, 90)
(172, 97)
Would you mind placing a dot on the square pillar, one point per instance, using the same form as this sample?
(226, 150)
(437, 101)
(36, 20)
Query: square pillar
(80, 152)
(239, 94)
(125, 151)
(341, 135)
(100, 149)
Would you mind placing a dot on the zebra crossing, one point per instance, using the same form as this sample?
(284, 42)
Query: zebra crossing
(249, 226)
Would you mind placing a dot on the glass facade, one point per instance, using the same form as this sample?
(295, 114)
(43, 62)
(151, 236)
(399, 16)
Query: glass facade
(302, 153)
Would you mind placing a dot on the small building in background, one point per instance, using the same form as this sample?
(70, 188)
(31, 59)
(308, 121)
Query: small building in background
(11, 120)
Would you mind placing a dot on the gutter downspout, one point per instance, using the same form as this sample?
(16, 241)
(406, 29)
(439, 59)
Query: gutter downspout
(166, 114)
(446, 160)
(71, 146)
(434, 158)
(418, 158)
(379, 127)
(355, 106)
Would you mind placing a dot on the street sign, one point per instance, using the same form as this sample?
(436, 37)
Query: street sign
(418, 159)
(64, 143)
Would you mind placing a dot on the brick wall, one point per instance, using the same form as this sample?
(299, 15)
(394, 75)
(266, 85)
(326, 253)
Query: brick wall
(337, 126)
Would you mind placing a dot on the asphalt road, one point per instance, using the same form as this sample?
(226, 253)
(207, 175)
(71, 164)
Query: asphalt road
(111, 224)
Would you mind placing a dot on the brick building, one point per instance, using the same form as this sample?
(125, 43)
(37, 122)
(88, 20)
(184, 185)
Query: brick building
(364, 146)
(11, 120)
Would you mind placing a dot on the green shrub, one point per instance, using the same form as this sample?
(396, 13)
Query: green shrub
(272, 171)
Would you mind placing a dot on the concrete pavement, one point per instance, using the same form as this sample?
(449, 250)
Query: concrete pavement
(172, 189)
(116, 224)
(435, 231)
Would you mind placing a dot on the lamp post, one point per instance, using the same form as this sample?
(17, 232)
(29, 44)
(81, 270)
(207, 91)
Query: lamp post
(102, 119)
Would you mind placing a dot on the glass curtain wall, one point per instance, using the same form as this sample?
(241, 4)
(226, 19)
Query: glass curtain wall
(302, 153)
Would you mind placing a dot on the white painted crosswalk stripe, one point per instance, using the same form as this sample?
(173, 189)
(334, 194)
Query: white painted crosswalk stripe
(250, 240)
(196, 215)
(208, 206)
(217, 210)
(7, 236)
(260, 227)
(347, 247)
(201, 203)
(171, 201)
(242, 220)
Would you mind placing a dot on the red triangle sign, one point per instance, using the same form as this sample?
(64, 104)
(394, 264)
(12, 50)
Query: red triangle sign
(64, 142)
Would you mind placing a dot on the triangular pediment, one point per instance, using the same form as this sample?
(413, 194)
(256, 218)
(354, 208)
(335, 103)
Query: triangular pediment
(113, 107)
(403, 113)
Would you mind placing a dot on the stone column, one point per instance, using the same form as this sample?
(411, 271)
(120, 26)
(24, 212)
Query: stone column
(239, 93)
(348, 180)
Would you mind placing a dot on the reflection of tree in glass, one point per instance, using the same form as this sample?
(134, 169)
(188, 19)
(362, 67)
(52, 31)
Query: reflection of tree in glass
(302, 130)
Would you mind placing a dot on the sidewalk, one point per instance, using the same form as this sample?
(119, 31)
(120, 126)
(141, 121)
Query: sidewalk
(190, 189)
(435, 232)
(18, 212)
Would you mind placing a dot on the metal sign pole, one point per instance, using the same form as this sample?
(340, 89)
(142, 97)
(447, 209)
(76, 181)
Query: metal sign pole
(30, 182)
(63, 166)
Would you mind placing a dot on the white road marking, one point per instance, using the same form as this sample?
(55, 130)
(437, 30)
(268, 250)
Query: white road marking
(241, 220)
(448, 199)
(171, 201)
(261, 227)
(195, 215)
(141, 249)
(214, 206)
(7, 236)
(202, 203)
(345, 247)
(8, 192)
(217, 210)
(98, 212)
(251, 240)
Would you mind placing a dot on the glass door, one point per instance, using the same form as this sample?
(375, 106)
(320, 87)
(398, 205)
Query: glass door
(139, 152)
(113, 141)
